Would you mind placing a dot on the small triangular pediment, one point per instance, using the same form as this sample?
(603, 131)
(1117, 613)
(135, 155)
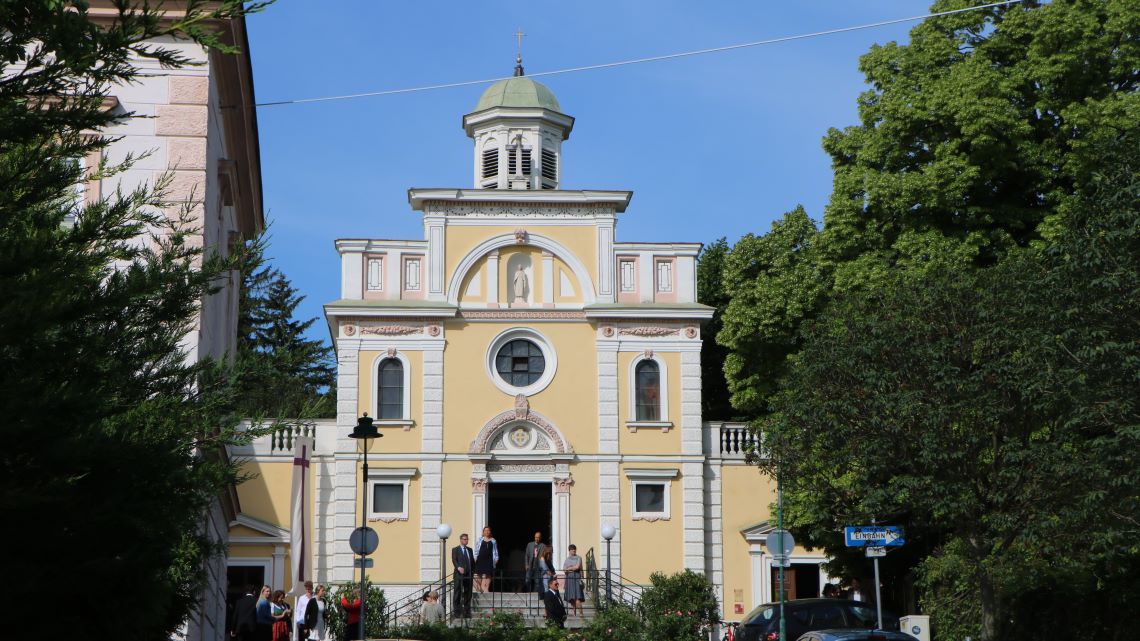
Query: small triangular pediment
(758, 532)
(246, 525)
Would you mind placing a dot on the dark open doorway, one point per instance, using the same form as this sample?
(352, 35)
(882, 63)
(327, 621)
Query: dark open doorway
(515, 511)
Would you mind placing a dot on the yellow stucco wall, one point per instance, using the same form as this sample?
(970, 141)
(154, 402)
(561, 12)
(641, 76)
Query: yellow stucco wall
(585, 526)
(746, 495)
(471, 399)
(582, 241)
(649, 441)
(478, 269)
(397, 559)
(265, 495)
(656, 546)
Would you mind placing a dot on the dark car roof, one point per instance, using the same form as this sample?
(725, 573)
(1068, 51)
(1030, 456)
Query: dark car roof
(845, 634)
(801, 603)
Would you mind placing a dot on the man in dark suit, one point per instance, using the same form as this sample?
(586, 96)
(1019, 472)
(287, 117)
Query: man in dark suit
(463, 560)
(555, 608)
(244, 624)
(534, 551)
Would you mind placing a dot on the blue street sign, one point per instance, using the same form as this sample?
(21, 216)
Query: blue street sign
(858, 536)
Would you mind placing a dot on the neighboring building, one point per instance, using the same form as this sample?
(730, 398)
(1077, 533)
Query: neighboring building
(198, 125)
(529, 372)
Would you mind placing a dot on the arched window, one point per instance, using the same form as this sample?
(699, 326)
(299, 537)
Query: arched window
(648, 385)
(390, 389)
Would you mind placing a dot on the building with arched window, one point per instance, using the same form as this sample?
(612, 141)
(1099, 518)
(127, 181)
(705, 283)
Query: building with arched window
(529, 371)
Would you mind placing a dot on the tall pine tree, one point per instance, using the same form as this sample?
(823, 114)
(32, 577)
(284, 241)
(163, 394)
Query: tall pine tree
(288, 375)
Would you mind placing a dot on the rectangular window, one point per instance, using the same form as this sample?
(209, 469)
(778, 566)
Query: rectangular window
(388, 498)
(412, 274)
(375, 274)
(628, 278)
(649, 498)
(650, 492)
(665, 276)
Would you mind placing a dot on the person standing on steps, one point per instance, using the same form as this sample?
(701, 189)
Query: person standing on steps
(573, 568)
(463, 560)
(535, 551)
(555, 609)
(486, 560)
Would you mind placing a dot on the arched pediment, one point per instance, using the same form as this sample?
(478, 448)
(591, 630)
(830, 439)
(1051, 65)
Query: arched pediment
(581, 275)
(520, 431)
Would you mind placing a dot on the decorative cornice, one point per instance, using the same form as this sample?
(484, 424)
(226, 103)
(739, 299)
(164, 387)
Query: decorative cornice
(651, 519)
(529, 314)
(387, 519)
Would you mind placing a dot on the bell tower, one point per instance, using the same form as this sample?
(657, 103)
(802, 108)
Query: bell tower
(518, 128)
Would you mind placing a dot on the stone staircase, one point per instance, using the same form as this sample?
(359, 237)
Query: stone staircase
(528, 604)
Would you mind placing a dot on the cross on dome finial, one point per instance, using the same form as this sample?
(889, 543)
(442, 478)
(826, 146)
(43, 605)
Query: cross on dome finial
(518, 55)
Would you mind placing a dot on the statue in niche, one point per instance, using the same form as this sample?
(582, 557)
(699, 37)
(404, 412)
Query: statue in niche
(520, 284)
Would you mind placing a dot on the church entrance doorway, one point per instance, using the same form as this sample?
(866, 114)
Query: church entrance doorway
(515, 511)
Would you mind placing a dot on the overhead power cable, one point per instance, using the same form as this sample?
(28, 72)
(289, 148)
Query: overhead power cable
(635, 61)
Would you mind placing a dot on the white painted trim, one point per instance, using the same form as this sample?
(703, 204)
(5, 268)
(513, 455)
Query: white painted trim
(352, 265)
(492, 279)
(617, 199)
(536, 240)
(763, 563)
(547, 279)
(663, 373)
(436, 240)
(647, 473)
(537, 338)
(637, 481)
(407, 395)
(373, 481)
(636, 311)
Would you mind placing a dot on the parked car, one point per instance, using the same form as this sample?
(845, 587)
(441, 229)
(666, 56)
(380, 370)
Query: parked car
(808, 615)
(856, 635)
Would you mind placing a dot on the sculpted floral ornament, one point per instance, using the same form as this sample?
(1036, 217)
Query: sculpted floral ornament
(387, 519)
(652, 519)
(649, 331)
(691, 332)
(433, 330)
(391, 352)
(478, 485)
(492, 428)
(522, 406)
(391, 330)
(562, 486)
(350, 330)
(520, 236)
(607, 331)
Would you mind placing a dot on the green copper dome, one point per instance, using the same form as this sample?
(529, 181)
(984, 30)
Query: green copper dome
(519, 91)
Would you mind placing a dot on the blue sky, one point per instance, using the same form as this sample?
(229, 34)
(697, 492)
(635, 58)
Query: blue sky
(714, 145)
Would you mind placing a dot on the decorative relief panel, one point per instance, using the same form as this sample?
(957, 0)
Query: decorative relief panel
(649, 331)
(390, 330)
(468, 314)
(521, 467)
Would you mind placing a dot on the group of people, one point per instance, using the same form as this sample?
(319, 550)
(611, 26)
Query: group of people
(268, 617)
(475, 567)
(854, 593)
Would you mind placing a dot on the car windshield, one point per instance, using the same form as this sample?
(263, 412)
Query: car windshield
(760, 615)
(862, 616)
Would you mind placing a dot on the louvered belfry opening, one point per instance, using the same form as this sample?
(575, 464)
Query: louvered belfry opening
(514, 155)
(549, 168)
(490, 163)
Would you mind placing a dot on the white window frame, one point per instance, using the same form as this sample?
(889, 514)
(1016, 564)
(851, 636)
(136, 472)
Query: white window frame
(629, 286)
(389, 476)
(378, 286)
(408, 262)
(664, 424)
(405, 419)
(533, 336)
(638, 477)
(664, 285)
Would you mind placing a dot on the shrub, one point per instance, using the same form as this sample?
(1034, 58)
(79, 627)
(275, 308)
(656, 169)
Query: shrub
(681, 607)
(618, 622)
(500, 626)
(375, 610)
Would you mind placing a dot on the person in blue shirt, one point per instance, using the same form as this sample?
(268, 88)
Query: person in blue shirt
(264, 616)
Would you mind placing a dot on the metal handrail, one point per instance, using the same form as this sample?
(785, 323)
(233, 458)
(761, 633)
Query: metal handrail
(407, 610)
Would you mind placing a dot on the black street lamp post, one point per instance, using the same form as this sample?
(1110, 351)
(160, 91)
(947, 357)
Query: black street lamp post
(364, 431)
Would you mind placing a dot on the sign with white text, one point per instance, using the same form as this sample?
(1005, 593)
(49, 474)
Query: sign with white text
(858, 536)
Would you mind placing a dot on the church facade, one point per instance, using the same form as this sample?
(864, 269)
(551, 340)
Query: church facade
(529, 371)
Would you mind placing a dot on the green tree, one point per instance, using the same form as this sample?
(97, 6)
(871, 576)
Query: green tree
(993, 413)
(113, 441)
(715, 400)
(774, 282)
(288, 375)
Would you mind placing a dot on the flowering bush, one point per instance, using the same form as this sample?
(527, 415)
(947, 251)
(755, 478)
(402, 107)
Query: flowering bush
(619, 622)
(502, 625)
(681, 607)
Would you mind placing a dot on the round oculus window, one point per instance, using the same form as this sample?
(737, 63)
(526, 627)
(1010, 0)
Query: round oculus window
(520, 363)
